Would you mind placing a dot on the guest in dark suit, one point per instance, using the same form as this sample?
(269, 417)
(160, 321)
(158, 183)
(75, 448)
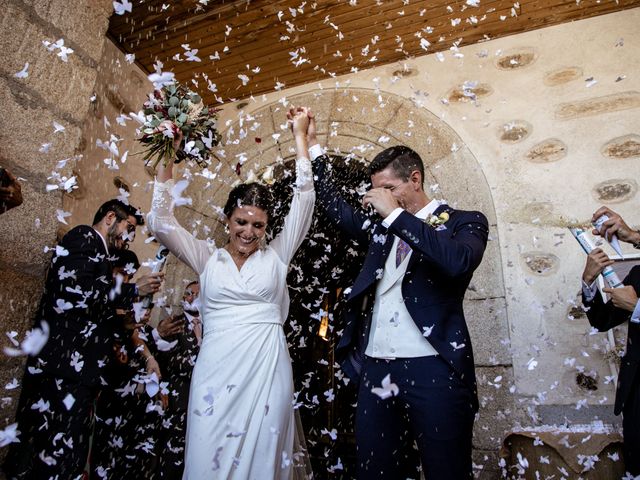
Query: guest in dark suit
(117, 408)
(181, 334)
(61, 382)
(623, 307)
(404, 318)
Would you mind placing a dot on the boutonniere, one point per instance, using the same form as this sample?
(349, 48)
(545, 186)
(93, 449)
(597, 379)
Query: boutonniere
(437, 221)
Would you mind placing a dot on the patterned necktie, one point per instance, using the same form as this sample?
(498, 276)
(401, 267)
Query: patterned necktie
(402, 249)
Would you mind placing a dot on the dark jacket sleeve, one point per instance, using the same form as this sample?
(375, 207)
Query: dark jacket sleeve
(78, 277)
(347, 218)
(605, 316)
(456, 250)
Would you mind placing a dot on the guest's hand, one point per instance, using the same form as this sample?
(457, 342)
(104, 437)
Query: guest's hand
(10, 192)
(171, 326)
(149, 284)
(144, 319)
(623, 297)
(614, 226)
(382, 200)
(597, 260)
(152, 366)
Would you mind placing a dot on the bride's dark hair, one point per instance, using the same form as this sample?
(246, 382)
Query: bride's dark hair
(249, 194)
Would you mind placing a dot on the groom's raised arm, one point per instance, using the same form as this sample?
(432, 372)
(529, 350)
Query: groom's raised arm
(348, 219)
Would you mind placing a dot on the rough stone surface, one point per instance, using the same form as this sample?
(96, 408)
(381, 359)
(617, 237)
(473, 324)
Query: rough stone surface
(598, 106)
(615, 190)
(514, 131)
(547, 151)
(469, 93)
(423, 132)
(32, 126)
(541, 263)
(485, 464)
(562, 76)
(489, 330)
(513, 60)
(487, 279)
(19, 294)
(627, 146)
(362, 106)
(75, 76)
(498, 410)
(462, 183)
(73, 25)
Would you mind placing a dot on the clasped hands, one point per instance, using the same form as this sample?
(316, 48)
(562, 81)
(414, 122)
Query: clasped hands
(303, 122)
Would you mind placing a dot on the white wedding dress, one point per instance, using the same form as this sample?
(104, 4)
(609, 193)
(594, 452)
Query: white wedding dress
(240, 422)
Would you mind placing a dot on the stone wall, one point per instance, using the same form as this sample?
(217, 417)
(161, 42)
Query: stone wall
(54, 91)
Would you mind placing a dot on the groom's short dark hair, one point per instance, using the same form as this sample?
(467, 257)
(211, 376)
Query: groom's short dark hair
(402, 160)
(121, 210)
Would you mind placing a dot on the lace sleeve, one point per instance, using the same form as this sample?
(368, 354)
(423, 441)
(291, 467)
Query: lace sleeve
(171, 234)
(298, 220)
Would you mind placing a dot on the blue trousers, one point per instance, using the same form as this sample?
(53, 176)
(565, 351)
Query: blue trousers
(433, 411)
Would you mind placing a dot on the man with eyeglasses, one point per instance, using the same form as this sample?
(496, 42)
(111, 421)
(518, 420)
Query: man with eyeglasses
(62, 380)
(405, 338)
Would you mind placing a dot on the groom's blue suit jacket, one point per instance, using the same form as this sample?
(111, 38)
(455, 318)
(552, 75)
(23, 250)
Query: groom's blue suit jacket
(433, 287)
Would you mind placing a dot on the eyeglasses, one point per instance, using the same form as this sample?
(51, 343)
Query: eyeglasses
(130, 226)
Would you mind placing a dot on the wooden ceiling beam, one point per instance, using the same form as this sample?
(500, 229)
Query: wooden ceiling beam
(256, 30)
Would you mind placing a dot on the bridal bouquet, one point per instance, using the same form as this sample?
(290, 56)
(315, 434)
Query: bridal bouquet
(188, 114)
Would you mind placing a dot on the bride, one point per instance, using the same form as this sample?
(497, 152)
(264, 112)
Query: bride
(240, 422)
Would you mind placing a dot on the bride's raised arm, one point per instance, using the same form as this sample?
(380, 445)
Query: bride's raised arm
(298, 220)
(166, 228)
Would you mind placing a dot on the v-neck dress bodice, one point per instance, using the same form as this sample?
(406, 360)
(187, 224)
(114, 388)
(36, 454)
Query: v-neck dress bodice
(240, 421)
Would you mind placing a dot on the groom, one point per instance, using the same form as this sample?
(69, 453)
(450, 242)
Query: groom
(404, 318)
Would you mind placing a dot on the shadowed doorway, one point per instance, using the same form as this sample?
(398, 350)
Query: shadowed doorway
(326, 264)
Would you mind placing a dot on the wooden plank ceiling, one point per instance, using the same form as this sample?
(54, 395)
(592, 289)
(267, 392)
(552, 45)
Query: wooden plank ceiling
(249, 47)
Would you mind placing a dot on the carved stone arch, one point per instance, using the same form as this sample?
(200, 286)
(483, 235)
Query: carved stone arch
(361, 123)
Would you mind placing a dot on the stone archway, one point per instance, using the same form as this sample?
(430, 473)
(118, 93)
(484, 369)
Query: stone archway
(360, 123)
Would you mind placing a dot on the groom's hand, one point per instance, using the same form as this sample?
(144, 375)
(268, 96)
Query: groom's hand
(382, 200)
(312, 130)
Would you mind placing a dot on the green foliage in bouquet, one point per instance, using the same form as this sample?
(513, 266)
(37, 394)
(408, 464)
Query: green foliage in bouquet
(188, 114)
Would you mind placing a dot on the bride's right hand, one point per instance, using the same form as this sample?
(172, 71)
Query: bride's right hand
(175, 131)
(299, 119)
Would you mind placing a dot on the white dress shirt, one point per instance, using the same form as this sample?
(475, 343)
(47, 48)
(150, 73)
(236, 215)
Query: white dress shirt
(393, 333)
